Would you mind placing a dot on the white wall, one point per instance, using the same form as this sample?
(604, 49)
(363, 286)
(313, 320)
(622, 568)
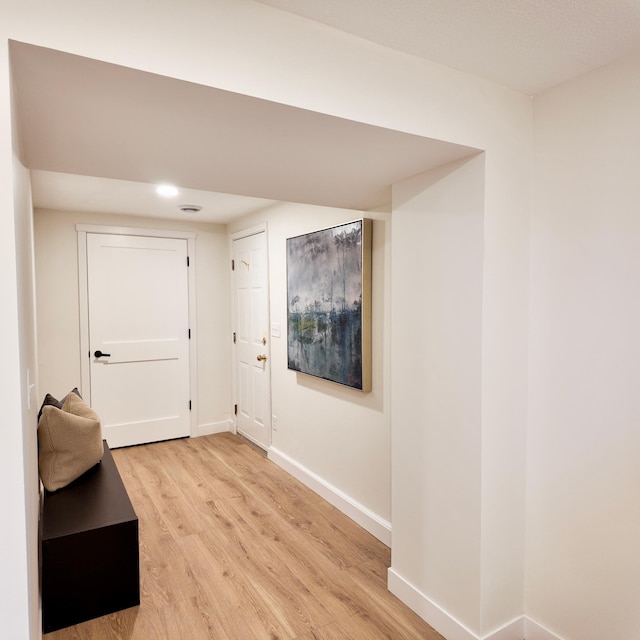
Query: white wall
(246, 47)
(583, 515)
(19, 610)
(458, 481)
(29, 377)
(58, 313)
(338, 434)
(436, 370)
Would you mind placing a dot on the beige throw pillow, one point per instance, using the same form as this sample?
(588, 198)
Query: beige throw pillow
(69, 442)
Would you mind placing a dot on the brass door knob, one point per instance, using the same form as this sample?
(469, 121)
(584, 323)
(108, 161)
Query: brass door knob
(262, 357)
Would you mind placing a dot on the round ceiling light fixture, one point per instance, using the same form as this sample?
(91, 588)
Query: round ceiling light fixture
(167, 190)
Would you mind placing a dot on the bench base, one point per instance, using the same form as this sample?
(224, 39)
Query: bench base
(90, 554)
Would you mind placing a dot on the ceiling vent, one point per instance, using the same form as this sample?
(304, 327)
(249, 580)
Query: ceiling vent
(190, 208)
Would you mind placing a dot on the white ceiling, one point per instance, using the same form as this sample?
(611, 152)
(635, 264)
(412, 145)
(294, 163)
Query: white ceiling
(528, 45)
(72, 192)
(97, 136)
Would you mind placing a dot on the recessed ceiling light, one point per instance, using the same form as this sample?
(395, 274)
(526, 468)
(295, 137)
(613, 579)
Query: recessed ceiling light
(190, 208)
(167, 190)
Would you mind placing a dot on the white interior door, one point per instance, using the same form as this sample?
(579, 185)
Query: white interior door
(253, 378)
(137, 289)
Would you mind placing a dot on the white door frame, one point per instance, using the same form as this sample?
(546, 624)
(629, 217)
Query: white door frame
(83, 300)
(237, 235)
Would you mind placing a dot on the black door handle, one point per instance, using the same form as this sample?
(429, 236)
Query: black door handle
(99, 354)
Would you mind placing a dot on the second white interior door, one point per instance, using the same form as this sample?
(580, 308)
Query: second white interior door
(252, 353)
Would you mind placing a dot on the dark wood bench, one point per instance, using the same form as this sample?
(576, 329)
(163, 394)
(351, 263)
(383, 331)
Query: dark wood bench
(90, 555)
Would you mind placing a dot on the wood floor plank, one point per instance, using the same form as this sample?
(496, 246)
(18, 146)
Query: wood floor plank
(165, 574)
(172, 500)
(223, 584)
(355, 627)
(268, 574)
(334, 585)
(234, 548)
(192, 618)
(331, 538)
(284, 495)
(144, 461)
(206, 464)
(181, 517)
(365, 542)
(194, 482)
(240, 579)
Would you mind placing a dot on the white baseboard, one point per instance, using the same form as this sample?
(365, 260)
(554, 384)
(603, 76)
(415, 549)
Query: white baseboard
(214, 427)
(444, 622)
(428, 610)
(371, 522)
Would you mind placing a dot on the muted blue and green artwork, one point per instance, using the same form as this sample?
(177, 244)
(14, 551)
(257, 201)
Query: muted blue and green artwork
(324, 304)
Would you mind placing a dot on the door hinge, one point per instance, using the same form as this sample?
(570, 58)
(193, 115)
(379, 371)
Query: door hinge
(234, 339)
(189, 334)
(235, 409)
(189, 405)
(233, 265)
(188, 264)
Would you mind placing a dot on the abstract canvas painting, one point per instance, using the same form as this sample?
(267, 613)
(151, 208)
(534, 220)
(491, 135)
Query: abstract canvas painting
(329, 304)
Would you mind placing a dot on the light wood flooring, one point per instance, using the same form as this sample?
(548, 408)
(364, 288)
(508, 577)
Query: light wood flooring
(234, 548)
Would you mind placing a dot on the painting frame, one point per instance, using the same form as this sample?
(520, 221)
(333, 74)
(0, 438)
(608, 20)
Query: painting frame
(329, 303)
